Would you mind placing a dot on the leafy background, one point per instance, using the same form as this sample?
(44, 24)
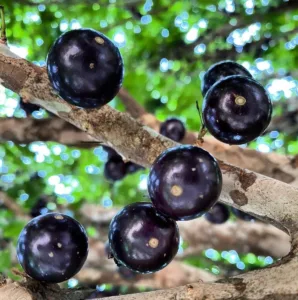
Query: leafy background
(166, 46)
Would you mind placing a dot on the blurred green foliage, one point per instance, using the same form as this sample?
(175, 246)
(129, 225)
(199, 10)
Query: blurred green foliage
(166, 45)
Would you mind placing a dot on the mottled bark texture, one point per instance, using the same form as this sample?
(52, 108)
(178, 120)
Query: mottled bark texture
(199, 234)
(24, 131)
(271, 200)
(28, 130)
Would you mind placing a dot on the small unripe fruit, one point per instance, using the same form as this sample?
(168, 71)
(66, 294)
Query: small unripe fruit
(115, 169)
(218, 214)
(173, 129)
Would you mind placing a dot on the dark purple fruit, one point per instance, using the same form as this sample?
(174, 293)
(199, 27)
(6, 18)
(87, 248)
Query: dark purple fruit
(173, 129)
(40, 207)
(132, 167)
(115, 169)
(242, 215)
(85, 68)
(143, 240)
(52, 248)
(29, 108)
(218, 214)
(220, 71)
(236, 110)
(184, 182)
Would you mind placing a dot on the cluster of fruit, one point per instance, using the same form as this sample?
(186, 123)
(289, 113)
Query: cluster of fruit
(116, 169)
(236, 108)
(86, 69)
(184, 183)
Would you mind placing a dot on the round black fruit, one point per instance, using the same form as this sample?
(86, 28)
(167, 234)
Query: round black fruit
(218, 214)
(184, 182)
(85, 68)
(40, 207)
(173, 129)
(52, 248)
(242, 215)
(221, 70)
(143, 240)
(236, 110)
(115, 169)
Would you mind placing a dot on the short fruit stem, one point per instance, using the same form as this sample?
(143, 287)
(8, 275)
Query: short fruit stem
(200, 141)
(3, 38)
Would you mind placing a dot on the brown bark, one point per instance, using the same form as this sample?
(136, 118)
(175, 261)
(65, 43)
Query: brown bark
(273, 165)
(266, 198)
(199, 234)
(28, 130)
(98, 270)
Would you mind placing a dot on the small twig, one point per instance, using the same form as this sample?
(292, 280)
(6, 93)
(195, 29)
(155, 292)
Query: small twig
(3, 38)
(200, 141)
(12, 205)
(20, 273)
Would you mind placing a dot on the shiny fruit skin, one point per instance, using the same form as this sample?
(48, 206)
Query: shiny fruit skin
(85, 68)
(241, 215)
(221, 70)
(141, 239)
(115, 169)
(218, 214)
(52, 248)
(234, 123)
(184, 182)
(173, 129)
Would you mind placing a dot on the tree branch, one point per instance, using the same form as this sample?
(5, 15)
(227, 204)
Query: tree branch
(28, 130)
(256, 237)
(266, 198)
(11, 205)
(249, 191)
